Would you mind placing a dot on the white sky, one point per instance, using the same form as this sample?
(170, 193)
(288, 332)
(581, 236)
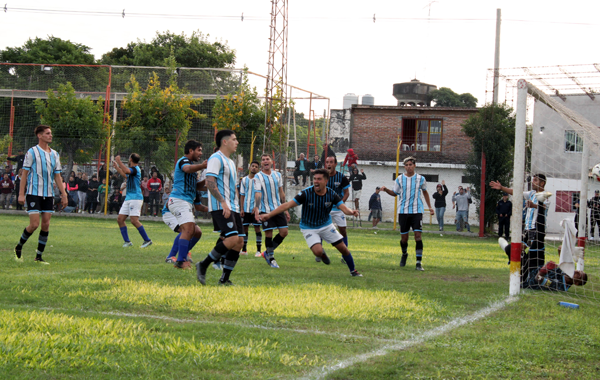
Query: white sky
(334, 46)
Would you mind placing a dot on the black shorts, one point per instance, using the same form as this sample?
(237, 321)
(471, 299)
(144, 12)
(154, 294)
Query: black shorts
(231, 226)
(147, 199)
(408, 221)
(39, 204)
(250, 219)
(277, 222)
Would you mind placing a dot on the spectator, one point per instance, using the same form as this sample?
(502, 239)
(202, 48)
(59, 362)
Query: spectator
(92, 195)
(594, 205)
(504, 211)
(116, 181)
(351, 159)
(154, 186)
(462, 206)
(102, 192)
(8, 170)
(146, 194)
(102, 173)
(6, 188)
(115, 201)
(82, 192)
(356, 181)
(71, 204)
(72, 187)
(440, 203)
(17, 184)
(375, 207)
(18, 159)
(316, 164)
(302, 168)
(166, 195)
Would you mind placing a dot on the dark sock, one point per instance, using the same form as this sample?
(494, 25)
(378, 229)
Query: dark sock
(125, 234)
(277, 240)
(42, 240)
(269, 245)
(231, 258)
(175, 246)
(404, 247)
(184, 248)
(24, 236)
(419, 250)
(142, 232)
(258, 241)
(349, 261)
(193, 242)
(245, 243)
(215, 255)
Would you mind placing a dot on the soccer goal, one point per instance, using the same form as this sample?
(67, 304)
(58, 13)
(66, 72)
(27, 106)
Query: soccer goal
(556, 148)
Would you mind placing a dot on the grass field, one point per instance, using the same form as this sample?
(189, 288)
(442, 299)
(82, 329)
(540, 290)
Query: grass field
(99, 311)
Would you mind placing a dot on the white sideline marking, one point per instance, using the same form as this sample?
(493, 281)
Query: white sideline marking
(402, 345)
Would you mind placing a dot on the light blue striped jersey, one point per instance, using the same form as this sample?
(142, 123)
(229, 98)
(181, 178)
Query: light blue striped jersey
(224, 170)
(42, 167)
(269, 187)
(248, 188)
(316, 208)
(338, 183)
(134, 189)
(409, 191)
(184, 184)
(534, 219)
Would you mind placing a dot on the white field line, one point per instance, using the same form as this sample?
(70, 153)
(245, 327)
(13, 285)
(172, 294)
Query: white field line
(417, 339)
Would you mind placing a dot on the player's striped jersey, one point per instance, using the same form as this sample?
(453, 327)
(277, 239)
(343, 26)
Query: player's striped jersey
(224, 170)
(184, 184)
(409, 191)
(134, 189)
(316, 208)
(338, 183)
(248, 188)
(269, 186)
(42, 167)
(534, 219)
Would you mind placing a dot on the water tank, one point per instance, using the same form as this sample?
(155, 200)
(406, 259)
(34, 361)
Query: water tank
(413, 93)
(368, 100)
(349, 100)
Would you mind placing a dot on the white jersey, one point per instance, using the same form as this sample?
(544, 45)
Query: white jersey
(248, 188)
(409, 191)
(224, 170)
(42, 167)
(269, 186)
(533, 218)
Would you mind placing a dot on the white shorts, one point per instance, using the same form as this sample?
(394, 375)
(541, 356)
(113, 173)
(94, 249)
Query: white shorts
(356, 194)
(132, 207)
(182, 211)
(338, 218)
(170, 220)
(328, 234)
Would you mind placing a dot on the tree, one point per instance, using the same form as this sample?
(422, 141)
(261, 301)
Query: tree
(492, 130)
(157, 120)
(50, 50)
(445, 97)
(4, 143)
(77, 123)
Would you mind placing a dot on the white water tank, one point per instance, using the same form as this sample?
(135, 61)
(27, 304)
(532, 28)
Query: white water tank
(349, 100)
(368, 100)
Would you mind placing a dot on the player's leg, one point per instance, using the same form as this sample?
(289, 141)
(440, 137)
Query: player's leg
(348, 259)
(43, 237)
(313, 240)
(123, 214)
(282, 234)
(34, 222)
(245, 247)
(134, 215)
(403, 222)
(258, 239)
(416, 223)
(232, 229)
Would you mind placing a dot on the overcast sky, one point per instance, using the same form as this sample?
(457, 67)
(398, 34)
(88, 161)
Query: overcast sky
(334, 46)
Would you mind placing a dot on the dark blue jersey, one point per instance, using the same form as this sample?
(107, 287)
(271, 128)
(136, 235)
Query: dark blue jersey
(338, 183)
(316, 208)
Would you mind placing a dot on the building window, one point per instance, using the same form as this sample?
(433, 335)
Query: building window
(566, 200)
(573, 143)
(431, 177)
(421, 135)
(464, 179)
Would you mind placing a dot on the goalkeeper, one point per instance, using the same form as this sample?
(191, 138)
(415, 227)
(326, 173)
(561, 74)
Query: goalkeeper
(551, 277)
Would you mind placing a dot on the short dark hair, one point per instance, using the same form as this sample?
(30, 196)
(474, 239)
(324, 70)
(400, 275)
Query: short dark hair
(221, 135)
(135, 158)
(193, 145)
(334, 158)
(40, 129)
(255, 162)
(323, 172)
(541, 176)
(584, 279)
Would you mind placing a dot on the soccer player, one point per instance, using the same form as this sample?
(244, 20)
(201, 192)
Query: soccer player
(270, 197)
(340, 184)
(316, 225)
(408, 187)
(181, 200)
(221, 179)
(171, 221)
(41, 168)
(248, 188)
(134, 198)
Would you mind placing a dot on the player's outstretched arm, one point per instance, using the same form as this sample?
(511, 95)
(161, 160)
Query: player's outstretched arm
(282, 208)
(497, 186)
(426, 196)
(388, 191)
(194, 168)
(121, 169)
(347, 211)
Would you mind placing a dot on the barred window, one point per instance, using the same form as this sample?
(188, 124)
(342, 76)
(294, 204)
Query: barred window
(422, 135)
(573, 142)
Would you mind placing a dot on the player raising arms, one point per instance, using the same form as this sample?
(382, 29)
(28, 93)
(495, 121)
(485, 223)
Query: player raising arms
(41, 168)
(270, 197)
(221, 180)
(408, 187)
(249, 186)
(180, 203)
(316, 225)
(134, 199)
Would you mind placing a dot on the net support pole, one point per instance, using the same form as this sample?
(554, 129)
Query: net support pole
(583, 196)
(519, 174)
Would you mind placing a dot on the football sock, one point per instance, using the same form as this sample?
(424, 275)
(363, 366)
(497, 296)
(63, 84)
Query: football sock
(142, 232)
(277, 240)
(258, 241)
(124, 234)
(419, 250)
(231, 258)
(193, 242)
(38, 255)
(175, 246)
(404, 247)
(245, 243)
(184, 246)
(24, 236)
(349, 261)
(42, 240)
(218, 251)
(345, 239)
(269, 245)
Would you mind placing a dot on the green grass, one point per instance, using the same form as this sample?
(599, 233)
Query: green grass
(103, 312)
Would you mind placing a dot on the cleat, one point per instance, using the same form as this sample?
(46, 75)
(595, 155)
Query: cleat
(419, 267)
(201, 273)
(146, 244)
(182, 265)
(18, 256)
(343, 261)
(258, 254)
(127, 244)
(189, 258)
(39, 260)
(225, 283)
(244, 253)
(355, 273)
(317, 259)
(266, 257)
(217, 265)
(403, 259)
(274, 264)
(171, 260)
(325, 259)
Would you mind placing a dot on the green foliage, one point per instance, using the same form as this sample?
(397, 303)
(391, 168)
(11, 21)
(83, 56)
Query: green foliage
(445, 97)
(50, 50)
(4, 143)
(77, 123)
(492, 130)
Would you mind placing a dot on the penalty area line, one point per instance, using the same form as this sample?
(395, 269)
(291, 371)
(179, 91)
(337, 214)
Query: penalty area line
(321, 373)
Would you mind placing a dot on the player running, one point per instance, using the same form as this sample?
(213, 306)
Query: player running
(134, 199)
(221, 180)
(171, 221)
(270, 197)
(408, 187)
(181, 200)
(249, 186)
(316, 225)
(340, 184)
(41, 168)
